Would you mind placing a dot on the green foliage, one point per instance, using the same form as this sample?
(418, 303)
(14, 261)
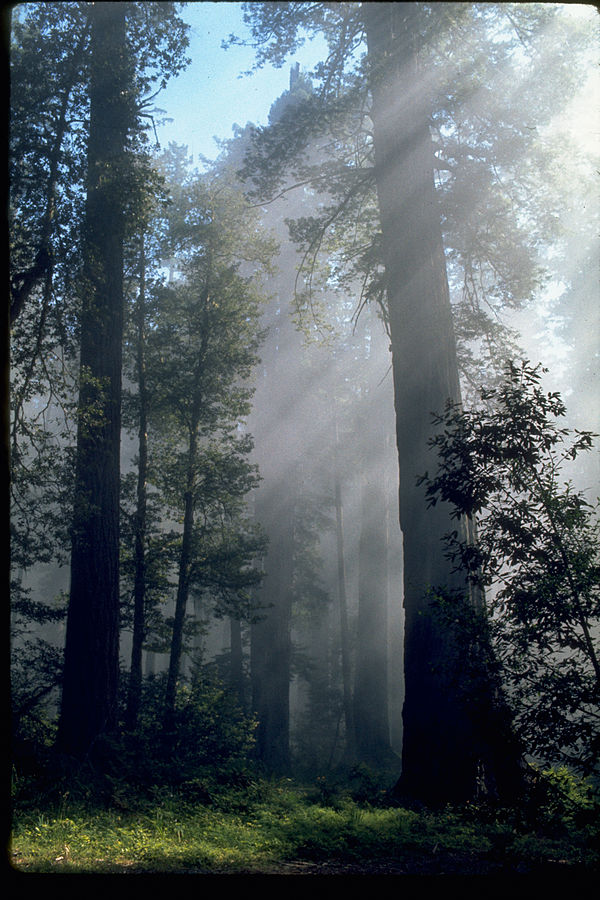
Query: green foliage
(500, 197)
(36, 668)
(201, 350)
(207, 746)
(569, 802)
(535, 552)
(276, 828)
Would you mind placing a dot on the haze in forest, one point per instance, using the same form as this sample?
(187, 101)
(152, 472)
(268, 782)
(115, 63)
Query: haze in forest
(238, 365)
(216, 74)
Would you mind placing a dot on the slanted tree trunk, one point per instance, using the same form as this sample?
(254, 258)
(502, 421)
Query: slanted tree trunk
(443, 742)
(183, 579)
(89, 699)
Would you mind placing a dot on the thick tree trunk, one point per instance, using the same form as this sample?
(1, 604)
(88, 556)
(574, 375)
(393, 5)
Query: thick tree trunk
(89, 700)
(371, 674)
(442, 742)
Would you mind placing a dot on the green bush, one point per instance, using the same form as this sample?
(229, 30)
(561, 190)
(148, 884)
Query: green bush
(207, 745)
(568, 802)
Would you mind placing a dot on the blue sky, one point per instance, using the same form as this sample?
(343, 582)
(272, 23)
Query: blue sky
(209, 96)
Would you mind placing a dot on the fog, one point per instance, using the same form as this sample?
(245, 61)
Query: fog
(323, 419)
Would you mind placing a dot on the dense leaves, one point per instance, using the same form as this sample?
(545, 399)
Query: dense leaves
(485, 90)
(536, 555)
(50, 75)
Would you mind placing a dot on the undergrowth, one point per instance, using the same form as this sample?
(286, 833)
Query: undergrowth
(261, 825)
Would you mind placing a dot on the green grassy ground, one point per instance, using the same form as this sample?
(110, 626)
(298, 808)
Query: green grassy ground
(283, 829)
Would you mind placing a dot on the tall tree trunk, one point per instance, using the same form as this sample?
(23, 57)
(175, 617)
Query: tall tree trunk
(442, 742)
(271, 646)
(343, 609)
(183, 580)
(89, 699)
(273, 425)
(371, 676)
(139, 588)
(394, 577)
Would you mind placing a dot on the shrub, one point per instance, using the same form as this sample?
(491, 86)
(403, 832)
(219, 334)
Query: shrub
(208, 744)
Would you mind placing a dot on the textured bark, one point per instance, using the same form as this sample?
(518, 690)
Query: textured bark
(444, 740)
(89, 700)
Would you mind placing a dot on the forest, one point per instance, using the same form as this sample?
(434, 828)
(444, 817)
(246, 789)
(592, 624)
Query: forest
(301, 445)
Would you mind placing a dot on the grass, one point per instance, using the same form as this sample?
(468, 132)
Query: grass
(281, 825)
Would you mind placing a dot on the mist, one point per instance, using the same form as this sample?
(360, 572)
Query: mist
(293, 492)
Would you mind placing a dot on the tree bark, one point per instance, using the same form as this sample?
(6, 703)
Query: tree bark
(371, 676)
(89, 699)
(443, 742)
(237, 661)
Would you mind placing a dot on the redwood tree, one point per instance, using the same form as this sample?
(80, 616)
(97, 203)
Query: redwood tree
(89, 700)
(383, 90)
(131, 46)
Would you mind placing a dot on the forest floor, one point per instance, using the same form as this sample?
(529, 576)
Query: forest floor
(284, 830)
(434, 863)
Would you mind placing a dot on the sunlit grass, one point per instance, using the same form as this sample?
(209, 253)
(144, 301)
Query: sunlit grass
(174, 836)
(163, 840)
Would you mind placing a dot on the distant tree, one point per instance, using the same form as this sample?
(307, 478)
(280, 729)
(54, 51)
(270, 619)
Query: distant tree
(278, 500)
(201, 353)
(141, 506)
(143, 565)
(311, 374)
(342, 597)
(536, 556)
